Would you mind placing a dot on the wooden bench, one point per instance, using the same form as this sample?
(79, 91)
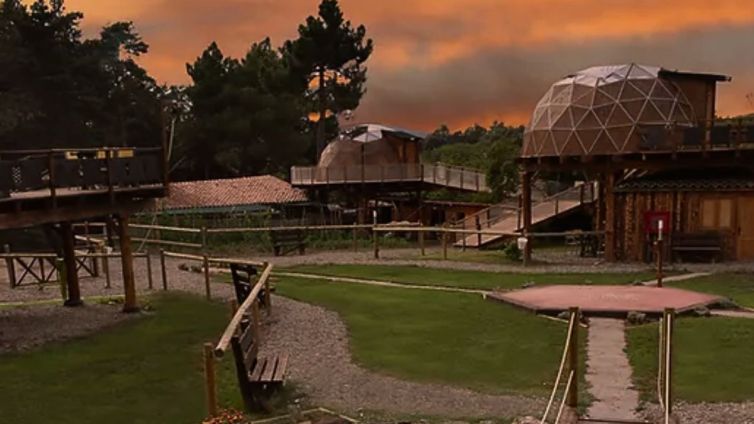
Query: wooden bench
(698, 246)
(286, 241)
(258, 377)
(244, 278)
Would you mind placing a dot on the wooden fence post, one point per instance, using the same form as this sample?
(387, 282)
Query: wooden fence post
(204, 239)
(573, 361)
(164, 271)
(670, 327)
(268, 292)
(11, 268)
(62, 278)
(205, 264)
(478, 233)
(209, 380)
(106, 267)
(149, 271)
(355, 241)
(376, 239)
(421, 239)
(445, 241)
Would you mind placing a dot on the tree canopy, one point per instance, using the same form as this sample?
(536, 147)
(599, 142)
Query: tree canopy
(60, 89)
(245, 116)
(493, 150)
(332, 51)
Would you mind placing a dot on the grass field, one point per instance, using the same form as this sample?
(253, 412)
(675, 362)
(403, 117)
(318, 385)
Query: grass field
(738, 287)
(441, 337)
(712, 359)
(145, 371)
(465, 279)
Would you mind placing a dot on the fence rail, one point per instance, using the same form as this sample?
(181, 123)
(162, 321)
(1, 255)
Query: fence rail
(106, 169)
(438, 174)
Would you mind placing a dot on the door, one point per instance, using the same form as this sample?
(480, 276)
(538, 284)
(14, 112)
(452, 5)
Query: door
(745, 228)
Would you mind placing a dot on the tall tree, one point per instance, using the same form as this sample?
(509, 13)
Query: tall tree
(58, 89)
(245, 116)
(328, 56)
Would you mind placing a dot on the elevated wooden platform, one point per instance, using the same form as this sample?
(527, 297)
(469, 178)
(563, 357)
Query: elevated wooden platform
(48, 186)
(403, 176)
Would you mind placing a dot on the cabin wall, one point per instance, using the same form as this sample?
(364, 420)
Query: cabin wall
(690, 212)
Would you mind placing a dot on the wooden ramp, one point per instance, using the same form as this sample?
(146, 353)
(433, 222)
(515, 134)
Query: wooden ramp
(509, 220)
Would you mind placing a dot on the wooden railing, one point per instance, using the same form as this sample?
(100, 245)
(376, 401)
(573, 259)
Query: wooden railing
(569, 364)
(706, 135)
(489, 217)
(105, 169)
(438, 174)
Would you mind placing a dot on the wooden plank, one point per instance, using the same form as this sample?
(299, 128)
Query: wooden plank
(282, 365)
(30, 218)
(269, 370)
(256, 374)
(167, 228)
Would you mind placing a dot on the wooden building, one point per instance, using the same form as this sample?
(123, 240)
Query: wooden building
(649, 137)
(56, 188)
(372, 163)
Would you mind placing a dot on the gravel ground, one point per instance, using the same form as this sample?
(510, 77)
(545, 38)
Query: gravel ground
(708, 413)
(320, 363)
(93, 287)
(28, 327)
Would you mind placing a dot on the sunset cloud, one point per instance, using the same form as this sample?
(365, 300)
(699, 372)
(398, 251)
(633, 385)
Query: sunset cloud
(460, 62)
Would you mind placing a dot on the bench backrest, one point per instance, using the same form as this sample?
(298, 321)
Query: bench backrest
(705, 239)
(284, 236)
(244, 277)
(245, 346)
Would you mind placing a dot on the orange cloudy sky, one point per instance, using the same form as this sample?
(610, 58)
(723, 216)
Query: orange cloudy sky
(463, 61)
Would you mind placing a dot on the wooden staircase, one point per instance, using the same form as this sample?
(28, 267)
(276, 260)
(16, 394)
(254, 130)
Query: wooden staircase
(509, 219)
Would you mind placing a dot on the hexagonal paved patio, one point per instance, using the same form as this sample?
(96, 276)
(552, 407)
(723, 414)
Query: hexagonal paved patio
(604, 300)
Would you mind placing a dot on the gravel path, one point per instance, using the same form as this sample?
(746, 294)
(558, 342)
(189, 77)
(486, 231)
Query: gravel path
(316, 341)
(707, 413)
(28, 327)
(608, 371)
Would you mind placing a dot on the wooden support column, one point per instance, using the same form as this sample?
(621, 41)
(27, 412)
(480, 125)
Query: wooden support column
(69, 261)
(127, 262)
(526, 178)
(610, 217)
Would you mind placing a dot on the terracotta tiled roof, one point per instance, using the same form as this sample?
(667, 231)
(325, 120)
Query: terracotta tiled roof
(260, 190)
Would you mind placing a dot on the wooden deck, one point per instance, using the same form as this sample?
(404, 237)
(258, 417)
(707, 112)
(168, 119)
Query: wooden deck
(43, 186)
(439, 175)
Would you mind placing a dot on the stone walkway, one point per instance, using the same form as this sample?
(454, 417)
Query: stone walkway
(609, 372)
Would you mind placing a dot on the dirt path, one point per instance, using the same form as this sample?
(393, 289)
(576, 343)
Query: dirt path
(321, 365)
(608, 371)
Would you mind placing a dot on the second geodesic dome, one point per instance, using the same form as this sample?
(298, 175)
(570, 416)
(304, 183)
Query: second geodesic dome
(601, 110)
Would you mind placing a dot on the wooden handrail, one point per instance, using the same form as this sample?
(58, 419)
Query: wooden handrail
(230, 330)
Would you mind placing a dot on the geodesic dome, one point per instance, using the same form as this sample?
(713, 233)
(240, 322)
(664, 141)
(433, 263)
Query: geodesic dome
(600, 110)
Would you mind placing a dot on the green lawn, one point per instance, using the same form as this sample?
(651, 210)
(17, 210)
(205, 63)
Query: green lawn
(148, 370)
(713, 359)
(492, 256)
(738, 287)
(441, 337)
(465, 279)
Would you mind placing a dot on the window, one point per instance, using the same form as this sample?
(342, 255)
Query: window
(717, 213)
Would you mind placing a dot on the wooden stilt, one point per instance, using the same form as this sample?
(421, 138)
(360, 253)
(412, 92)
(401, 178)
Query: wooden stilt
(610, 217)
(526, 178)
(127, 262)
(69, 259)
